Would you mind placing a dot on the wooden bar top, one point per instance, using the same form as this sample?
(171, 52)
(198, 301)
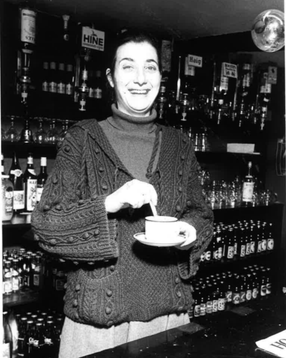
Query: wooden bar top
(231, 333)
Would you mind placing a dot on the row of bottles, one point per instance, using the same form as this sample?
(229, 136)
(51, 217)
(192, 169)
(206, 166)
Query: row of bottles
(21, 190)
(31, 334)
(239, 240)
(218, 292)
(237, 99)
(31, 270)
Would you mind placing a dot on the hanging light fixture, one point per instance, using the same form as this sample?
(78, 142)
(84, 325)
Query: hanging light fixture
(268, 30)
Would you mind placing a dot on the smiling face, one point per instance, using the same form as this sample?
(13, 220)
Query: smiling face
(136, 79)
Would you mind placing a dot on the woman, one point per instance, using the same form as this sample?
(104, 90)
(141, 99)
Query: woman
(95, 200)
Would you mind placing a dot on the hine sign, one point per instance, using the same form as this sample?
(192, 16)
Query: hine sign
(93, 39)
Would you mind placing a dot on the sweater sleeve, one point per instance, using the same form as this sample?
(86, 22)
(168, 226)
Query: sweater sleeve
(69, 220)
(198, 214)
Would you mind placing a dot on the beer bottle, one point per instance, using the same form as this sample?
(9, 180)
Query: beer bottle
(263, 281)
(203, 301)
(268, 281)
(248, 295)
(229, 289)
(270, 239)
(255, 286)
(242, 288)
(230, 245)
(236, 291)
(263, 237)
(22, 337)
(209, 303)
(16, 177)
(242, 244)
(221, 297)
(197, 301)
(30, 185)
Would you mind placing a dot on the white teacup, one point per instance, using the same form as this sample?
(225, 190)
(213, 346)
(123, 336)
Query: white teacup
(161, 228)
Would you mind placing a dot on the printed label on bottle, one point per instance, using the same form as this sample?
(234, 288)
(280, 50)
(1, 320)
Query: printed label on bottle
(45, 86)
(197, 310)
(53, 87)
(230, 252)
(236, 298)
(16, 172)
(270, 244)
(268, 288)
(61, 88)
(242, 296)
(19, 200)
(28, 26)
(32, 171)
(209, 308)
(221, 304)
(9, 200)
(228, 296)
(252, 247)
(248, 295)
(39, 193)
(215, 305)
(69, 89)
(98, 93)
(247, 191)
(202, 309)
(263, 245)
(254, 293)
(242, 251)
(31, 194)
(248, 248)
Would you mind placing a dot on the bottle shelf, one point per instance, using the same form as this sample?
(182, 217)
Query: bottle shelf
(23, 149)
(21, 298)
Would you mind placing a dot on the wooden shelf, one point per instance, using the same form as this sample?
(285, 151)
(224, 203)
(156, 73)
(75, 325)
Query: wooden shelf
(20, 298)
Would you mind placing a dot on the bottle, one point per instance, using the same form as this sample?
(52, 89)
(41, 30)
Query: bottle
(30, 185)
(70, 80)
(22, 337)
(61, 85)
(7, 337)
(98, 86)
(26, 134)
(16, 177)
(270, 239)
(7, 194)
(15, 275)
(45, 81)
(248, 187)
(42, 178)
(53, 78)
(28, 28)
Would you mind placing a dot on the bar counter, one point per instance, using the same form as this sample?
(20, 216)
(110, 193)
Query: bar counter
(231, 333)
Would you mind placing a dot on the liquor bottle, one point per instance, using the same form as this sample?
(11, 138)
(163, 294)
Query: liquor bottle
(26, 134)
(61, 85)
(28, 27)
(45, 80)
(7, 194)
(42, 178)
(248, 187)
(270, 239)
(98, 85)
(70, 80)
(30, 185)
(53, 78)
(7, 337)
(83, 90)
(15, 275)
(16, 177)
(197, 301)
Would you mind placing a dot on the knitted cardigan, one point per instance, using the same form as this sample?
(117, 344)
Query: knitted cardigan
(113, 278)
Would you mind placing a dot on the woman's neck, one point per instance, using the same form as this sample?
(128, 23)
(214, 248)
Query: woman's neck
(126, 122)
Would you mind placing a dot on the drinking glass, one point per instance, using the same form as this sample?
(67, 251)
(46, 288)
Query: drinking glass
(12, 134)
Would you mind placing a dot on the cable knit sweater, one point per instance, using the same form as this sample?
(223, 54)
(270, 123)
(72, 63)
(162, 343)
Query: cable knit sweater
(113, 278)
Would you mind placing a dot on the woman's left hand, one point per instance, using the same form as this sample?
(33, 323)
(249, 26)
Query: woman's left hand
(190, 234)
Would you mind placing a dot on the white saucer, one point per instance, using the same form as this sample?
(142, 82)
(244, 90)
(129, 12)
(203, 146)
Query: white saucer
(140, 236)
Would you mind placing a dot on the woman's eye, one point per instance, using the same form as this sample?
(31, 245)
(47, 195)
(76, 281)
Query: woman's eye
(127, 67)
(151, 68)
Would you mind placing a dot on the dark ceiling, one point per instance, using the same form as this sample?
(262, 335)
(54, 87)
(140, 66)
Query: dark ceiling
(184, 19)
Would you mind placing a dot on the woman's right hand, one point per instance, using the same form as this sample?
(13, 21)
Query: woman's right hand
(134, 193)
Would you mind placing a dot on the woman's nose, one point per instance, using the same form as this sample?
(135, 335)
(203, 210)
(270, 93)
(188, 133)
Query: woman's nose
(140, 76)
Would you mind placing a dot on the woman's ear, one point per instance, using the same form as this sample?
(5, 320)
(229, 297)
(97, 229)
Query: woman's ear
(109, 77)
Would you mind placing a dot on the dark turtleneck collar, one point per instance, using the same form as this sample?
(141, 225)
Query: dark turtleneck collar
(127, 123)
